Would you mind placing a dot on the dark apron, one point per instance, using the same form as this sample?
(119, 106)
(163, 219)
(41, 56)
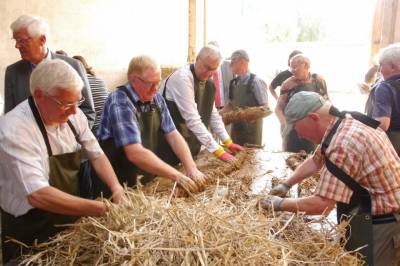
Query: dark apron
(150, 131)
(204, 97)
(359, 209)
(242, 96)
(36, 223)
(393, 134)
(293, 141)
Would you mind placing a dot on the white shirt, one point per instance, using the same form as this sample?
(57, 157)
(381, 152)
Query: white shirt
(180, 89)
(24, 161)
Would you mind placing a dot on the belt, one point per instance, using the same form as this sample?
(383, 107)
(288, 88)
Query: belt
(383, 219)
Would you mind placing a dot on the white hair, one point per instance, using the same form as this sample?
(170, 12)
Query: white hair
(52, 75)
(390, 54)
(209, 52)
(35, 26)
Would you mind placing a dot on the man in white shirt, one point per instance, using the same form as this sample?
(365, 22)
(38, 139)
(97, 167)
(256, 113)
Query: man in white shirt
(189, 93)
(43, 141)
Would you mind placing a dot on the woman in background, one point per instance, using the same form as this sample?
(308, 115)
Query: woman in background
(99, 91)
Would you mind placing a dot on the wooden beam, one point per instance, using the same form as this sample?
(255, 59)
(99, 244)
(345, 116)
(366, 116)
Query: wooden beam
(386, 25)
(192, 32)
(396, 36)
(205, 23)
(376, 30)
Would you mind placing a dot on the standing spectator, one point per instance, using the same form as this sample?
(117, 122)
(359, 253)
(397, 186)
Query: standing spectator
(302, 80)
(246, 90)
(282, 76)
(30, 34)
(386, 94)
(99, 91)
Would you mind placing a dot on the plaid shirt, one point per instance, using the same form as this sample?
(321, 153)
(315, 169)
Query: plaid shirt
(119, 121)
(366, 155)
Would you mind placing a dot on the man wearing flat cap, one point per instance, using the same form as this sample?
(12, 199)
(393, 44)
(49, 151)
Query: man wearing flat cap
(359, 173)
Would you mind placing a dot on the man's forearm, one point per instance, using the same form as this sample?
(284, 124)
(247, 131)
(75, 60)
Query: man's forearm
(180, 148)
(56, 201)
(313, 205)
(149, 162)
(306, 169)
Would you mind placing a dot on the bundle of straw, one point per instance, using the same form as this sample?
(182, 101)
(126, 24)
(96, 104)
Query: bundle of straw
(249, 114)
(223, 225)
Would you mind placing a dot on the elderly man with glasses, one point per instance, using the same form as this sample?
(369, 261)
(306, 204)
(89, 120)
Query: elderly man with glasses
(190, 94)
(134, 123)
(42, 144)
(30, 34)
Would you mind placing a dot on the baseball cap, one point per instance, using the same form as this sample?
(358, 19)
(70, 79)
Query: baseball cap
(240, 54)
(299, 105)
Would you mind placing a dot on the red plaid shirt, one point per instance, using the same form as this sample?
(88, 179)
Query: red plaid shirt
(366, 155)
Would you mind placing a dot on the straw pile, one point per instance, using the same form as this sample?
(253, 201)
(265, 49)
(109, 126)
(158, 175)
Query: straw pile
(248, 114)
(221, 226)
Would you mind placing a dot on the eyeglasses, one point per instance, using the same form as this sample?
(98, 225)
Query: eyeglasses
(149, 84)
(22, 41)
(66, 106)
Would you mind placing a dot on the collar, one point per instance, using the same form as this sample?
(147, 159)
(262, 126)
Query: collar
(47, 57)
(134, 93)
(244, 76)
(329, 128)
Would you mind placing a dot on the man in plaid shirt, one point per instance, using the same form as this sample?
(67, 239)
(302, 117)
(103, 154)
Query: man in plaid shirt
(363, 153)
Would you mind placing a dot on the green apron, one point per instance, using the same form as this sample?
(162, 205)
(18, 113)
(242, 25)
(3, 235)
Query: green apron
(242, 96)
(204, 95)
(36, 223)
(126, 171)
(293, 141)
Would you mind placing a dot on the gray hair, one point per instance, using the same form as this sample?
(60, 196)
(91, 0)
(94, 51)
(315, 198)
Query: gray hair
(390, 54)
(302, 59)
(209, 52)
(52, 75)
(240, 54)
(35, 26)
(139, 64)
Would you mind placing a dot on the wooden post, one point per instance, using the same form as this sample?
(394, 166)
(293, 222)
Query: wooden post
(386, 27)
(192, 31)
(376, 30)
(205, 23)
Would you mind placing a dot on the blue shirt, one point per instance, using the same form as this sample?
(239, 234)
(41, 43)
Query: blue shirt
(387, 102)
(118, 120)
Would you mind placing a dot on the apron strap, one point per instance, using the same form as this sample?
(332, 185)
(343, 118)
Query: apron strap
(359, 192)
(40, 124)
(165, 86)
(71, 126)
(251, 79)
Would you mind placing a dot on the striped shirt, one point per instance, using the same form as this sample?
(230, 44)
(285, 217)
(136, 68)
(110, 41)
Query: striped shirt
(366, 155)
(99, 94)
(119, 121)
